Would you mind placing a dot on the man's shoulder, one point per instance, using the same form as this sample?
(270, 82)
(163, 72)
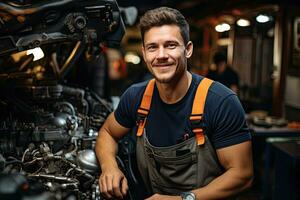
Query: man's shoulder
(134, 93)
(137, 88)
(140, 84)
(218, 92)
(216, 89)
(125, 113)
(196, 78)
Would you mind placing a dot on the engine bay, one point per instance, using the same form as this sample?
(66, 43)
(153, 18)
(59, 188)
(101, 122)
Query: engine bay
(48, 121)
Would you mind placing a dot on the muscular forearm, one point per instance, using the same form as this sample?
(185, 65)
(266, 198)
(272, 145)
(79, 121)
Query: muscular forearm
(112, 182)
(106, 150)
(228, 184)
(106, 144)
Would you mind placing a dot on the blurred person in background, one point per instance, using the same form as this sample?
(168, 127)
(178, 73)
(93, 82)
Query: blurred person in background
(224, 73)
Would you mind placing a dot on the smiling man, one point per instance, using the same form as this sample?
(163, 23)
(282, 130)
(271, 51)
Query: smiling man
(192, 138)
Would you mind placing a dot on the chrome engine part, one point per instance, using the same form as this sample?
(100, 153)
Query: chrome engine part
(52, 142)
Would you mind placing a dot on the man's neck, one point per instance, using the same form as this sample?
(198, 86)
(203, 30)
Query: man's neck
(173, 92)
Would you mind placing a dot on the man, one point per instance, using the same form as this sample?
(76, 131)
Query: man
(224, 73)
(176, 158)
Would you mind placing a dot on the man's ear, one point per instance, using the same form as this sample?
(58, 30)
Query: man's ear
(189, 49)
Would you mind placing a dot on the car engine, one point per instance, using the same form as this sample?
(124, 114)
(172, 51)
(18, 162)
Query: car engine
(48, 125)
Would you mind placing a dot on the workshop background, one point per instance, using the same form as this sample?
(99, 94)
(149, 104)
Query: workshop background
(52, 107)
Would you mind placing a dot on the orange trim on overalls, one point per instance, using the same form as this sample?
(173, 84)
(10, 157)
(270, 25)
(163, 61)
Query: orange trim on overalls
(197, 109)
(145, 107)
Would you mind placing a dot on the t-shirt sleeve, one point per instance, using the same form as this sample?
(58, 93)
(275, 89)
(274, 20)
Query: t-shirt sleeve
(126, 111)
(230, 125)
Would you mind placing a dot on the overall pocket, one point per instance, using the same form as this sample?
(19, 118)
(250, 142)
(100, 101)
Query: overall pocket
(172, 175)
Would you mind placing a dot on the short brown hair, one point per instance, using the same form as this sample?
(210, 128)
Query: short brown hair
(164, 16)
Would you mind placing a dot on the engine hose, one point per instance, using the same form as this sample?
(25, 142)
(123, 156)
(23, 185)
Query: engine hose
(69, 105)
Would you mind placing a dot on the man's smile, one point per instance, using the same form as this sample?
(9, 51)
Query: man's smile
(163, 65)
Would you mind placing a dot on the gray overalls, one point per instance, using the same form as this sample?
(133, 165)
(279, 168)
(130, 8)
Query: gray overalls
(181, 167)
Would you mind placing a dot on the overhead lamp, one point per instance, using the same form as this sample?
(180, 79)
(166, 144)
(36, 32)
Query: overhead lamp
(263, 18)
(222, 27)
(131, 57)
(243, 22)
(36, 52)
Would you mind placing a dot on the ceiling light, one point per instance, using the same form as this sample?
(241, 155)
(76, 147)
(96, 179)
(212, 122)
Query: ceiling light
(132, 58)
(222, 27)
(262, 18)
(36, 52)
(243, 22)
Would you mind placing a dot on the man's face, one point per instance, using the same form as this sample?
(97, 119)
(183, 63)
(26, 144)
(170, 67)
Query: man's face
(165, 53)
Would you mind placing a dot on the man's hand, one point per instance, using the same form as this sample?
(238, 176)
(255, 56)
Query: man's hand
(163, 197)
(113, 184)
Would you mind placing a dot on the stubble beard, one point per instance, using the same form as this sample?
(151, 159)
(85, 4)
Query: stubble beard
(177, 74)
(163, 80)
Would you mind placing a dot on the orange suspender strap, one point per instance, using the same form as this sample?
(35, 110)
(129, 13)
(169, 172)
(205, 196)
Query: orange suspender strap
(198, 108)
(144, 108)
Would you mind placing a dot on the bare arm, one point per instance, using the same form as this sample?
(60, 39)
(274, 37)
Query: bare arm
(237, 161)
(112, 181)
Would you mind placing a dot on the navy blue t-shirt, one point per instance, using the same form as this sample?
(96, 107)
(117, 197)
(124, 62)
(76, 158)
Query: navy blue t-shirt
(167, 124)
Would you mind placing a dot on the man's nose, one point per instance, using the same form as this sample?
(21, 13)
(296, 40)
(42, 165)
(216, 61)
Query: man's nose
(162, 52)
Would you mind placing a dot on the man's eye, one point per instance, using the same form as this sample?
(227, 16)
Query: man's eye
(171, 46)
(151, 48)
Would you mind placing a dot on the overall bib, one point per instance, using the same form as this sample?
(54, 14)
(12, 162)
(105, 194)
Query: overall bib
(181, 167)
